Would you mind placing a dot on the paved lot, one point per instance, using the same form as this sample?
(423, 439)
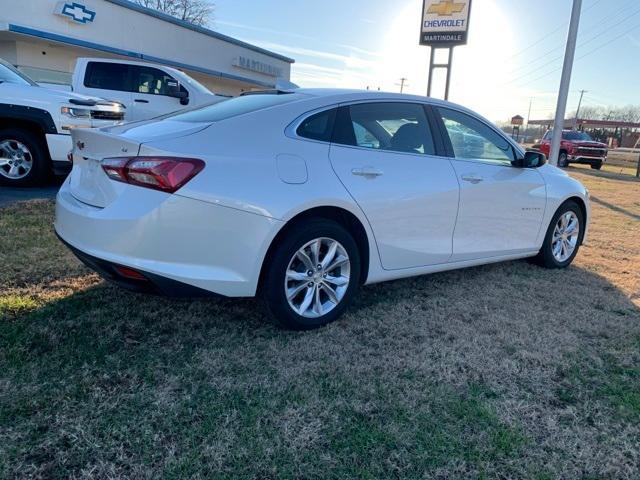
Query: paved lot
(9, 195)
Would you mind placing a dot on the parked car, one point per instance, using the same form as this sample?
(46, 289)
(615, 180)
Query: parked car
(147, 90)
(301, 197)
(36, 123)
(576, 147)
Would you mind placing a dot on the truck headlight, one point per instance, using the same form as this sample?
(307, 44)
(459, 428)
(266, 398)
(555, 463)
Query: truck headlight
(75, 112)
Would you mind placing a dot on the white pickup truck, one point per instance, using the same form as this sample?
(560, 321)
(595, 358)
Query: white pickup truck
(147, 90)
(35, 126)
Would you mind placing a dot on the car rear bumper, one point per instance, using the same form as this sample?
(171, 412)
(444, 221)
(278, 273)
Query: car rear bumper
(173, 241)
(148, 283)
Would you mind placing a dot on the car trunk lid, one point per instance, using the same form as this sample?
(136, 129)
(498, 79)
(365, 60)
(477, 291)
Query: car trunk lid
(88, 181)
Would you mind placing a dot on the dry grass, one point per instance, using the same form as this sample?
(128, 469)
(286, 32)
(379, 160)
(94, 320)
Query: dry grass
(622, 163)
(505, 371)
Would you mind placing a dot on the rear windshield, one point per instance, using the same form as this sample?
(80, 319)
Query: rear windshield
(235, 106)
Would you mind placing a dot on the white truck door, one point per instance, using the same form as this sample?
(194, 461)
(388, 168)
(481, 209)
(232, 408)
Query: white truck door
(152, 92)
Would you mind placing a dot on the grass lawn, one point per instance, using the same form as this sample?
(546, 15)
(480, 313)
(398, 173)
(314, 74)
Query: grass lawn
(504, 371)
(622, 163)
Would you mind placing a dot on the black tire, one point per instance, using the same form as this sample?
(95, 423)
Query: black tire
(545, 257)
(563, 160)
(596, 166)
(273, 284)
(37, 151)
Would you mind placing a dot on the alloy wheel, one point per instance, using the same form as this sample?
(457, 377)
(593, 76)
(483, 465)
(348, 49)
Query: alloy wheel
(16, 161)
(317, 277)
(565, 236)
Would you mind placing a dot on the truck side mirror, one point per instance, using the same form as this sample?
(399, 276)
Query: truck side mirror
(176, 92)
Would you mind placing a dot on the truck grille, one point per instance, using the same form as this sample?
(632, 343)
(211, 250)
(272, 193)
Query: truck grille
(113, 116)
(592, 152)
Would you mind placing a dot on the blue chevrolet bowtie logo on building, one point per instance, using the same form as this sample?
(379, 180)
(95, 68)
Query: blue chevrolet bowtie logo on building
(75, 11)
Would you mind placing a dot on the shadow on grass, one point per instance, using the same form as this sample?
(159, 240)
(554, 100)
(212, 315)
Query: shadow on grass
(109, 383)
(604, 174)
(615, 208)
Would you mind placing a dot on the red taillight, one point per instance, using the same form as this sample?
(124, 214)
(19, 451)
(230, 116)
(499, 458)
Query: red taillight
(167, 174)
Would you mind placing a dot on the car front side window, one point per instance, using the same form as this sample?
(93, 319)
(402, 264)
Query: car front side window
(152, 81)
(474, 140)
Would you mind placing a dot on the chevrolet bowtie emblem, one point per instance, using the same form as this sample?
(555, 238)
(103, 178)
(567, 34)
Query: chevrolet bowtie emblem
(445, 8)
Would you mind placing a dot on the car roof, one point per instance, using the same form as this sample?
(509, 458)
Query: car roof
(339, 95)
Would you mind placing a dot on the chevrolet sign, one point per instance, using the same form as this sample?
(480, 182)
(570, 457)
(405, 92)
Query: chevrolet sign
(75, 12)
(445, 23)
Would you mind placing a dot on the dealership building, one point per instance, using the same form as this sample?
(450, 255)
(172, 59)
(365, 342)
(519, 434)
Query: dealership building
(44, 38)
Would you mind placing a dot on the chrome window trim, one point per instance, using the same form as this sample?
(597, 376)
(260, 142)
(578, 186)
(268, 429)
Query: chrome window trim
(291, 129)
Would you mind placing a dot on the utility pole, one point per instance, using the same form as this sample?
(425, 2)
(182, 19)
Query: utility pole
(529, 114)
(575, 120)
(402, 84)
(565, 81)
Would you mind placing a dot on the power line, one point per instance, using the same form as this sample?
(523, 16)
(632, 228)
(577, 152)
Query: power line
(603, 21)
(555, 59)
(626, 32)
(537, 69)
(553, 32)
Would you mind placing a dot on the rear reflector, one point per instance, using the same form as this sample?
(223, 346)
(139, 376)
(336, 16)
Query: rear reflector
(167, 174)
(129, 273)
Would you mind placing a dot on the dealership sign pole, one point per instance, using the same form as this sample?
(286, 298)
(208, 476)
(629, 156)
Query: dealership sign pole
(565, 82)
(445, 24)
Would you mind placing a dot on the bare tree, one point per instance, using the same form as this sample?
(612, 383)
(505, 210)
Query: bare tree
(197, 12)
(630, 113)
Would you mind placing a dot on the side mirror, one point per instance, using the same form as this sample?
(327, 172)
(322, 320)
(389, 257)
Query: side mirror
(531, 159)
(176, 92)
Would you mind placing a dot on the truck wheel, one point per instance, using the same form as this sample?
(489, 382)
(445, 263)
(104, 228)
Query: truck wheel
(24, 161)
(563, 160)
(596, 166)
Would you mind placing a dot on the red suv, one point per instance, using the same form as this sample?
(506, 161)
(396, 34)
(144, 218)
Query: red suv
(576, 147)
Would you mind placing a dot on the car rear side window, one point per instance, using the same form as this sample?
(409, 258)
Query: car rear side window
(386, 126)
(107, 76)
(318, 126)
(235, 106)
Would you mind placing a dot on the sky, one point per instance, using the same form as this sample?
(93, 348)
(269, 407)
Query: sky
(513, 58)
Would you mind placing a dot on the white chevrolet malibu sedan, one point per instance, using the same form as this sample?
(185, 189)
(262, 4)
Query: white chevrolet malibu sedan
(301, 197)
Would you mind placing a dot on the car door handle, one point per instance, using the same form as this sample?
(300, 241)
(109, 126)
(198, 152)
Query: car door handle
(367, 172)
(471, 179)
(139, 100)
